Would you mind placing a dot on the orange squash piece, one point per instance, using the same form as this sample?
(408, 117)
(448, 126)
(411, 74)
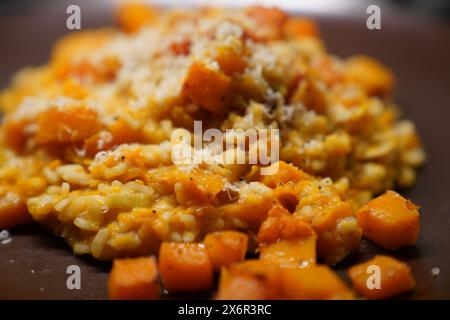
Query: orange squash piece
(300, 28)
(331, 218)
(196, 186)
(252, 210)
(370, 75)
(209, 88)
(120, 131)
(268, 23)
(134, 279)
(229, 60)
(287, 196)
(133, 16)
(259, 279)
(70, 56)
(311, 95)
(249, 280)
(242, 287)
(285, 173)
(395, 278)
(13, 210)
(15, 135)
(334, 245)
(185, 267)
(330, 214)
(291, 253)
(66, 125)
(85, 69)
(314, 283)
(280, 224)
(390, 221)
(203, 186)
(226, 247)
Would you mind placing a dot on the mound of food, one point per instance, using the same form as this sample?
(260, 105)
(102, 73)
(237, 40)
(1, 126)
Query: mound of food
(87, 149)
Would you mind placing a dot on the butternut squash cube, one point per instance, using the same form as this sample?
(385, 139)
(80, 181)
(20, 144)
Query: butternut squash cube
(300, 28)
(394, 277)
(249, 280)
(209, 88)
(390, 221)
(242, 287)
(370, 75)
(268, 23)
(284, 173)
(280, 224)
(13, 210)
(314, 283)
(185, 267)
(291, 253)
(134, 279)
(226, 247)
(133, 16)
(66, 125)
(229, 60)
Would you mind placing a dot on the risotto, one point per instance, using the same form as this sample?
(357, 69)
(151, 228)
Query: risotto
(86, 139)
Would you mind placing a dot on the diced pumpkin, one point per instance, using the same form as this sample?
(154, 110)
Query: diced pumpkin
(314, 283)
(134, 279)
(252, 207)
(330, 214)
(291, 253)
(70, 55)
(229, 60)
(133, 16)
(300, 28)
(209, 88)
(265, 280)
(249, 280)
(15, 136)
(394, 277)
(280, 224)
(123, 132)
(242, 287)
(369, 74)
(334, 245)
(94, 144)
(70, 124)
(13, 210)
(331, 218)
(225, 248)
(284, 173)
(120, 132)
(390, 221)
(326, 70)
(268, 23)
(185, 267)
(202, 187)
(196, 186)
(338, 232)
